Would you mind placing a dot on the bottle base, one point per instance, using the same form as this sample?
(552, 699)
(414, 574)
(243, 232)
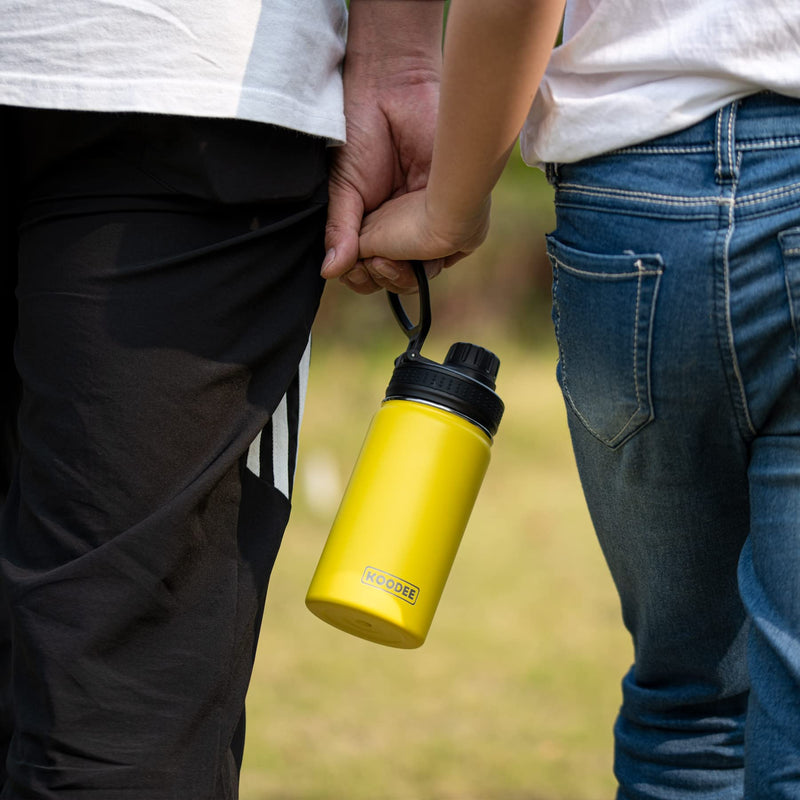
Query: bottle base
(364, 624)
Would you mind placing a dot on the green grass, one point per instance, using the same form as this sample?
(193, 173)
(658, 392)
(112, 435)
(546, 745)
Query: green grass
(514, 694)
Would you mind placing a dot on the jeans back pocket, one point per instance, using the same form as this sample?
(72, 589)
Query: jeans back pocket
(603, 312)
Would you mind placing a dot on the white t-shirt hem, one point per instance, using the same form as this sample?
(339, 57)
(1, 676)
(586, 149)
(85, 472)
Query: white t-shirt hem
(181, 98)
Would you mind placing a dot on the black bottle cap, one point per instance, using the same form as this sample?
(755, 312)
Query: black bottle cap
(463, 384)
(477, 362)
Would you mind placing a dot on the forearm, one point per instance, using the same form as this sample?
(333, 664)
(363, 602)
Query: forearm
(495, 55)
(387, 38)
(391, 88)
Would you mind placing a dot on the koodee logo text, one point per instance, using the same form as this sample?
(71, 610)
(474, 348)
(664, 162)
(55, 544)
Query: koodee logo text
(391, 584)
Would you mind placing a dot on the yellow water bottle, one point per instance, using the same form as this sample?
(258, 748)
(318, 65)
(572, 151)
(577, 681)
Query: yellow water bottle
(393, 541)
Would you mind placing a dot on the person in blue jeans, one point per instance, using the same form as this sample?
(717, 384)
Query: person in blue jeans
(671, 134)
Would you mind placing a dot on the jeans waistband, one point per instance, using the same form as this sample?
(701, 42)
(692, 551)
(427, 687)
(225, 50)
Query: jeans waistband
(757, 122)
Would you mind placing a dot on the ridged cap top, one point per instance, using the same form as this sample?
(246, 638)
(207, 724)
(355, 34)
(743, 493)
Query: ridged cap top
(477, 362)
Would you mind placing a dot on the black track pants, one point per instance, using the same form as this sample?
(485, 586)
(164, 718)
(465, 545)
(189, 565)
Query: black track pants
(168, 277)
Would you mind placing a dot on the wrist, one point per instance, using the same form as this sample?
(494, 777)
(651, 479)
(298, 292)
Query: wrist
(455, 218)
(395, 41)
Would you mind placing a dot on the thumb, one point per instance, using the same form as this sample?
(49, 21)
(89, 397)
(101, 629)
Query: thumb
(345, 212)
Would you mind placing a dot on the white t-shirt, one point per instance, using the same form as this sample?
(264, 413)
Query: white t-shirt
(276, 61)
(631, 70)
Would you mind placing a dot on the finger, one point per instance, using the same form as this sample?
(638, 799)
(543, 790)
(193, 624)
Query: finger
(434, 267)
(345, 211)
(396, 276)
(399, 276)
(359, 280)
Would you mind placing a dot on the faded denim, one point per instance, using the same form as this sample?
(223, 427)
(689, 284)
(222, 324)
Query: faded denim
(676, 305)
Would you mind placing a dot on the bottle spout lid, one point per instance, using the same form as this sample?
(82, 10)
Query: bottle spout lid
(477, 362)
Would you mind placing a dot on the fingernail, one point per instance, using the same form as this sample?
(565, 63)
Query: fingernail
(330, 256)
(386, 269)
(356, 276)
(433, 268)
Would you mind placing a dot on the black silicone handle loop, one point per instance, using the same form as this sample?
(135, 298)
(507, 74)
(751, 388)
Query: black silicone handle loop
(416, 333)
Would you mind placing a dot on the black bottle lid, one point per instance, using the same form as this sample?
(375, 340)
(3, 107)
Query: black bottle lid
(477, 362)
(464, 386)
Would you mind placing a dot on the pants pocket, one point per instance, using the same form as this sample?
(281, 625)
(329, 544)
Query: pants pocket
(603, 312)
(789, 241)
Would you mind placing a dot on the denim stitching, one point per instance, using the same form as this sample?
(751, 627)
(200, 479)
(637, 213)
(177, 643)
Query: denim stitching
(650, 328)
(640, 268)
(769, 194)
(663, 199)
(575, 407)
(731, 143)
(666, 149)
(728, 321)
(599, 276)
(726, 169)
(684, 149)
(769, 144)
(560, 265)
(679, 202)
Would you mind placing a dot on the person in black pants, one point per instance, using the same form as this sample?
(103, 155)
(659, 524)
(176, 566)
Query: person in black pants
(160, 278)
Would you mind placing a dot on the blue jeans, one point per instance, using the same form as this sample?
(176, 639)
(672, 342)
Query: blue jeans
(677, 311)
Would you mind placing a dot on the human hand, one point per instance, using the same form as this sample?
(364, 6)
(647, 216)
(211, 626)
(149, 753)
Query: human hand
(391, 80)
(407, 227)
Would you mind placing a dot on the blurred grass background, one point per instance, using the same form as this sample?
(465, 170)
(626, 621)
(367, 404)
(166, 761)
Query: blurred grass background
(514, 694)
